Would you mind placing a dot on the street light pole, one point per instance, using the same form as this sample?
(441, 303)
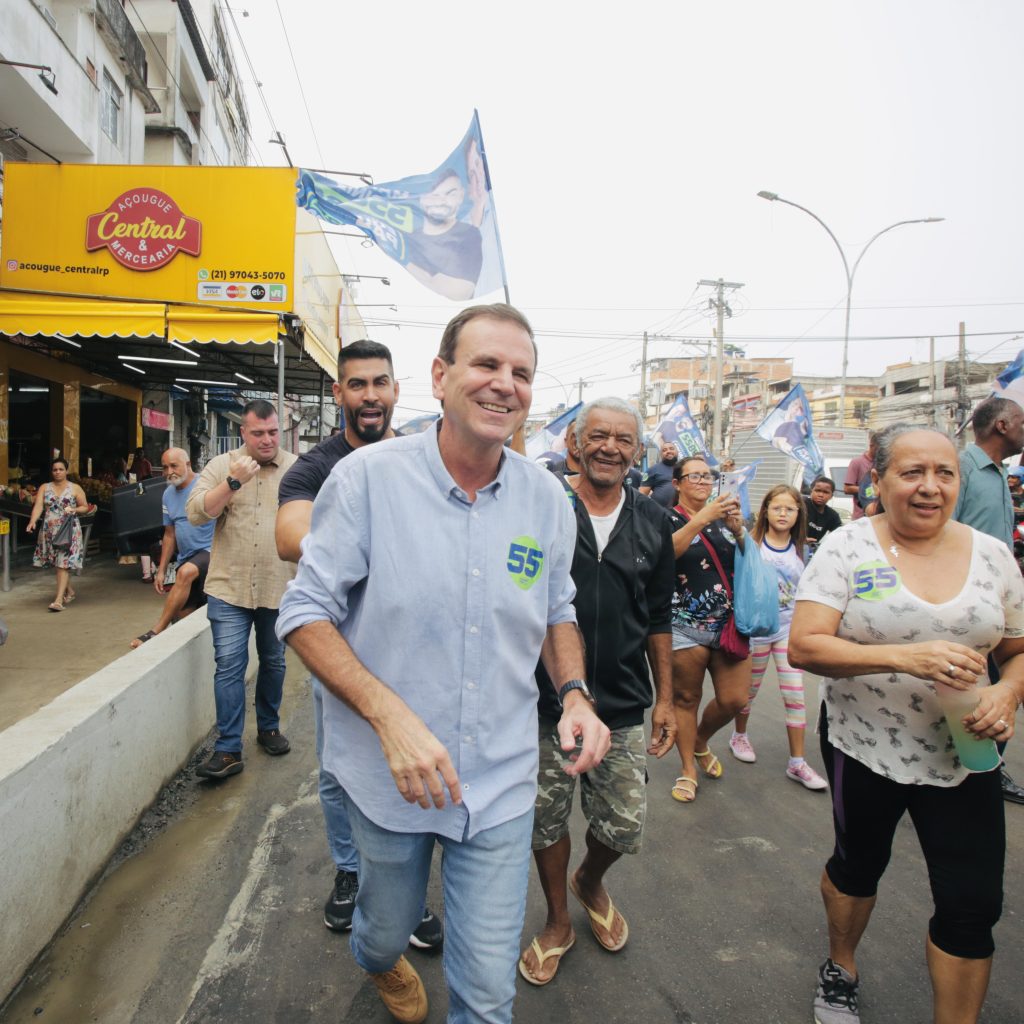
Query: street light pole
(850, 274)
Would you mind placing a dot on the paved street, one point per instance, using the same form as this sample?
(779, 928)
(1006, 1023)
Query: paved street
(218, 918)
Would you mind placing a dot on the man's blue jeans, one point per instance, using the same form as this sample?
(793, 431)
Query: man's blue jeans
(484, 881)
(332, 797)
(230, 626)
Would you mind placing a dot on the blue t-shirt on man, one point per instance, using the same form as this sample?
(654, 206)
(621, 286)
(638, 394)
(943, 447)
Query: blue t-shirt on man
(188, 538)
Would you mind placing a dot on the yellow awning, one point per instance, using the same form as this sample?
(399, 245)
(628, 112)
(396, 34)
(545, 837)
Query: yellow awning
(320, 353)
(49, 315)
(187, 324)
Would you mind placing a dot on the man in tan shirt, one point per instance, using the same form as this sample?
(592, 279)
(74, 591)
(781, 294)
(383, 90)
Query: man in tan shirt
(245, 583)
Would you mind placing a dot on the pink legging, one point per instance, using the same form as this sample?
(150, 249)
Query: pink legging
(791, 680)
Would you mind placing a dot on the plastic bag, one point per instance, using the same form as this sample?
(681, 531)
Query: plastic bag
(756, 592)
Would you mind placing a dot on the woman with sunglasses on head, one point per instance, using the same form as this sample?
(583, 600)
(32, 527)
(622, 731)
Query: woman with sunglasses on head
(781, 530)
(705, 537)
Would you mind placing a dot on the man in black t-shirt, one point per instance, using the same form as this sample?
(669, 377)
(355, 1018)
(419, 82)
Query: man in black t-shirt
(366, 392)
(821, 519)
(657, 481)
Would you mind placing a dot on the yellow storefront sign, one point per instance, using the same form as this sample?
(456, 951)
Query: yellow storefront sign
(217, 236)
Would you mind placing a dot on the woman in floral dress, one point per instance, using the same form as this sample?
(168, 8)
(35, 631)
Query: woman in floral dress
(55, 502)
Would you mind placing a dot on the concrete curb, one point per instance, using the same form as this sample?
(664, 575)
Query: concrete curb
(76, 776)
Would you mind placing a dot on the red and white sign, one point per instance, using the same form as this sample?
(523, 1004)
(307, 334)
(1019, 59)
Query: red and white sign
(144, 229)
(157, 420)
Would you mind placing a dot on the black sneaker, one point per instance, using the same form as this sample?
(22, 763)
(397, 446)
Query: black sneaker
(835, 1001)
(338, 909)
(221, 765)
(429, 933)
(273, 741)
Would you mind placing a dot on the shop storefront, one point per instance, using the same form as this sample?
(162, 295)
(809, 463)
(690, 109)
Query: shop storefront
(130, 295)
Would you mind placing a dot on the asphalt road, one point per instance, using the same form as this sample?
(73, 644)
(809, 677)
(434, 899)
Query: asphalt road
(219, 916)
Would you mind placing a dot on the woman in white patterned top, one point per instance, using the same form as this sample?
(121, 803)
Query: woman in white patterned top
(888, 607)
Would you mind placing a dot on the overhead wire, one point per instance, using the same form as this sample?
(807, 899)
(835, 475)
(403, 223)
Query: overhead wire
(298, 79)
(252, 70)
(158, 52)
(210, 49)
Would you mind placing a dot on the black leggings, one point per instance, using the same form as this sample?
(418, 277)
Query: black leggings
(962, 834)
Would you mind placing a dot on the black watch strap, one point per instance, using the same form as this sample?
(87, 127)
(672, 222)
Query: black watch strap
(235, 485)
(575, 684)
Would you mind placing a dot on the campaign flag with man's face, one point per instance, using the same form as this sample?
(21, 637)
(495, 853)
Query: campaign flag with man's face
(788, 428)
(549, 442)
(678, 427)
(440, 226)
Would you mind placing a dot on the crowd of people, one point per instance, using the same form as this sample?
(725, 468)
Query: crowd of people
(565, 609)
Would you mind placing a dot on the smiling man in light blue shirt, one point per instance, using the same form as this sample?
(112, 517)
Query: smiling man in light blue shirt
(435, 573)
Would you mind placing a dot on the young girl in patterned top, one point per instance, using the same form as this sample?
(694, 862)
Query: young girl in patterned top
(781, 531)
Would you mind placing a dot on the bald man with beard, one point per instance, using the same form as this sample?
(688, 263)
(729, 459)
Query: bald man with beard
(189, 544)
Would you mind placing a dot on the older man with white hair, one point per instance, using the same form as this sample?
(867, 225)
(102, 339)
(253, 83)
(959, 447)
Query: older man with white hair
(624, 570)
(188, 545)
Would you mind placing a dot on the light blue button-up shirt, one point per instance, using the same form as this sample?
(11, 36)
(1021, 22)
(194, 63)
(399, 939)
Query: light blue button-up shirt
(447, 601)
(984, 501)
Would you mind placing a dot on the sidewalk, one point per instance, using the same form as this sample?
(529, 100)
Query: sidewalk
(48, 652)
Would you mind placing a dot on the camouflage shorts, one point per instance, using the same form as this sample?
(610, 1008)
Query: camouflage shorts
(613, 795)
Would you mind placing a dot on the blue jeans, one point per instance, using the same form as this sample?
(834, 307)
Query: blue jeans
(230, 626)
(332, 797)
(484, 881)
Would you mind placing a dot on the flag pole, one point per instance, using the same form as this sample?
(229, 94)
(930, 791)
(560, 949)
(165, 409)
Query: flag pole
(494, 205)
(519, 437)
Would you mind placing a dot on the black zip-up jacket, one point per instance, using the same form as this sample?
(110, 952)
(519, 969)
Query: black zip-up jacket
(622, 597)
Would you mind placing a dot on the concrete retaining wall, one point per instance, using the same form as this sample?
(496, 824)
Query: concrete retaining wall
(76, 775)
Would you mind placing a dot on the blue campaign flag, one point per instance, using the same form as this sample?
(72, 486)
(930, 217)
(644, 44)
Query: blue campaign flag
(677, 427)
(418, 425)
(549, 442)
(788, 428)
(440, 226)
(737, 481)
(1010, 383)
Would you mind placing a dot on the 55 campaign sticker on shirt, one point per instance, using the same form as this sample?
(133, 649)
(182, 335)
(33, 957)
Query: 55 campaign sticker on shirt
(525, 562)
(875, 581)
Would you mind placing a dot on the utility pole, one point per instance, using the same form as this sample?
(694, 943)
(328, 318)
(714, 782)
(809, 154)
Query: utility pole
(581, 384)
(642, 397)
(931, 380)
(723, 310)
(963, 405)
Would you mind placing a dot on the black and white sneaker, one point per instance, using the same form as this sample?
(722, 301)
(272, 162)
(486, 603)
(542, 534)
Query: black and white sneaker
(338, 909)
(835, 1001)
(429, 933)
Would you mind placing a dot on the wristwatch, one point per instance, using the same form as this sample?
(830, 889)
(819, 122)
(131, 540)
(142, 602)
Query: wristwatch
(235, 485)
(576, 684)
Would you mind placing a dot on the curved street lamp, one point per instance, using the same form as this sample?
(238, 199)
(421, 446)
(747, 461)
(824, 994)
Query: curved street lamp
(850, 273)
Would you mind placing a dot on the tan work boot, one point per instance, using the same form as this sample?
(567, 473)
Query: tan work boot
(402, 992)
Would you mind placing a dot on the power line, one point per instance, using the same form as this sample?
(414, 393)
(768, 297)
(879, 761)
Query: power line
(159, 53)
(252, 70)
(302, 92)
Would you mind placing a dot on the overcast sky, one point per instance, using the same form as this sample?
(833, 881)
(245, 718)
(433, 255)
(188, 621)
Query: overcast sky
(627, 144)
